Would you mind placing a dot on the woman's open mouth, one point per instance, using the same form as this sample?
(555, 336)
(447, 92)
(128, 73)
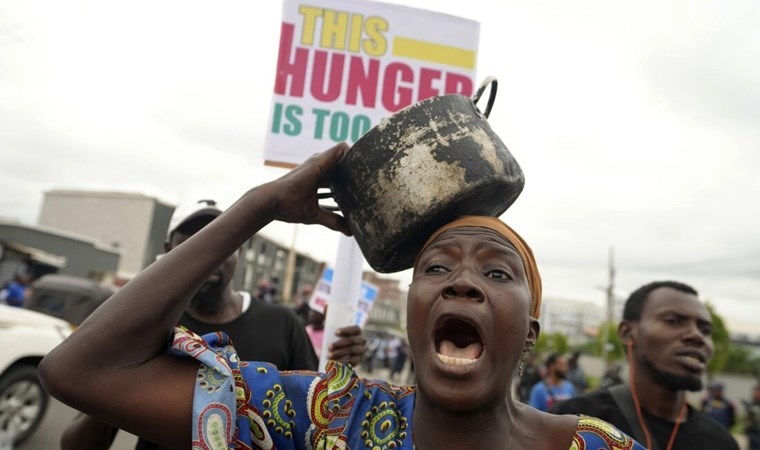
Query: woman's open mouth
(457, 342)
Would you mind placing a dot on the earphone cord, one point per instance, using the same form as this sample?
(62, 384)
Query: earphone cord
(643, 424)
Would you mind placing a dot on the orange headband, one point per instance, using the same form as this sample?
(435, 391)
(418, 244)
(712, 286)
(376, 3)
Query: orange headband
(493, 223)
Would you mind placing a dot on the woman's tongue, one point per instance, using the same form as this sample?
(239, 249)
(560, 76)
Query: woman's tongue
(450, 353)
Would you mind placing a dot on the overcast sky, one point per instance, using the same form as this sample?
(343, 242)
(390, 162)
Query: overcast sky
(635, 122)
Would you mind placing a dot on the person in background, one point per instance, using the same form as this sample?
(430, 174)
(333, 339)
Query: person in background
(667, 333)
(265, 290)
(752, 427)
(15, 292)
(575, 373)
(373, 348)
(612, 377)
(399, 360)
(381, 352)
(302, 303)
(554, 387)
(474, 300)
(530, 374)
(391, 351)
(315, 328)
(717, 407)
(261, 330)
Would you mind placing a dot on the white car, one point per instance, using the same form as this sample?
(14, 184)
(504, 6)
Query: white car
(25, 338)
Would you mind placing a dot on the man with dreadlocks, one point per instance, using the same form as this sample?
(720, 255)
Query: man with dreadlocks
(667, 332)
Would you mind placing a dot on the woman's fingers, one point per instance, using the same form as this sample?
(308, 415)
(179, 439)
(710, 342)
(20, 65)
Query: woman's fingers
(297, 192)
(326, 162)
(333, 221)
(329, 160)
(348, 355)
(350, 347)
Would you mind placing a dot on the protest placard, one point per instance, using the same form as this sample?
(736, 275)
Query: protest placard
(320, 297)
(344, 65)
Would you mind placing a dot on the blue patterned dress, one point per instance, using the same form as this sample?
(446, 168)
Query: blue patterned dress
(246, 405)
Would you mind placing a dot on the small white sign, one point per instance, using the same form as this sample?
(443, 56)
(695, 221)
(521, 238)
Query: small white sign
(321, 296)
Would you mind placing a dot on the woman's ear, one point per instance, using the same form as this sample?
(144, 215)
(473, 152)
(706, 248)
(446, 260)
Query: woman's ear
(534, 329)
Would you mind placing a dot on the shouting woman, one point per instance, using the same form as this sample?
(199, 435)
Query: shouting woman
(473, 311)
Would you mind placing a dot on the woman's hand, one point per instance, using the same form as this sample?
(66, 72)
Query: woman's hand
(350, 346)
(295, 193)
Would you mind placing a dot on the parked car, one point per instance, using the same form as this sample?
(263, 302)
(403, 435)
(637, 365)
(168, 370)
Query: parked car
(25, 338)
(67, 297)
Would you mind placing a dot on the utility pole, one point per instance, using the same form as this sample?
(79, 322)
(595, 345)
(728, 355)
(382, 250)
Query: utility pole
(610, 304)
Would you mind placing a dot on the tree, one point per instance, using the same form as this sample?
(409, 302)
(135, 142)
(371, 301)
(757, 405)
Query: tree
(722, 342)
(615, 349)
(739, 360)
(552, 343)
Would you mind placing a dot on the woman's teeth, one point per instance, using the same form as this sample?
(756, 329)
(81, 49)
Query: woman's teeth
(450, 353)
(450, 360)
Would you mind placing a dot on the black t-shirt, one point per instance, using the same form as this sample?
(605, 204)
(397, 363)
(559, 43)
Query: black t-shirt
(698, 432)
(264, 332)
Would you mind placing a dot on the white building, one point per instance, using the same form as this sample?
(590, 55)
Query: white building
(134, 223)
(579, 321)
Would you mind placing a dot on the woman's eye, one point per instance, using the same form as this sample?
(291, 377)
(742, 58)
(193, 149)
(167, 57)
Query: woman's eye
(498, 274)
(435, 268)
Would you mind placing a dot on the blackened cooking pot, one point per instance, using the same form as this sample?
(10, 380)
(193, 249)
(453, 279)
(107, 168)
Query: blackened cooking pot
(420, 168)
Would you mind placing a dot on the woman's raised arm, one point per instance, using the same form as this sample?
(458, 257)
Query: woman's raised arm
(115, 365)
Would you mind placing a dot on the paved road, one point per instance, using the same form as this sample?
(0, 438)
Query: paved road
(57, 418)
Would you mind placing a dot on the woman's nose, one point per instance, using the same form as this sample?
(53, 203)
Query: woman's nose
(462, 286)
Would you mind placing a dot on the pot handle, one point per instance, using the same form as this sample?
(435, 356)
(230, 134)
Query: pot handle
(491, 94)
